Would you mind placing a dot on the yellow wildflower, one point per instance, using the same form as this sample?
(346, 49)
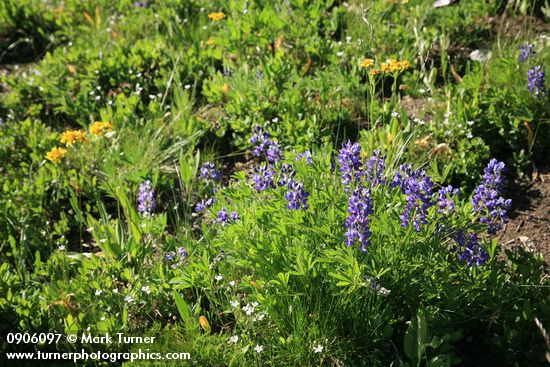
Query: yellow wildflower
(216, 16)
(385, 68)
(99, 128)
(210, 42)
(205, 325)
(69, 137)
(367, 63)
(56, 155)
(405, 64)
(373, 72)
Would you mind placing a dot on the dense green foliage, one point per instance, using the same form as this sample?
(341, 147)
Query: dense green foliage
(100, 99)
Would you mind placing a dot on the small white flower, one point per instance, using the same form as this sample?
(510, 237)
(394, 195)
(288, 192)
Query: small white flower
(395, 114)
(234, 339)
(146, 289)
(98, 292)
(260, 317)
(218, 277)
(187, 86)
(340, 53)
(249, 309)
(128, 299)
(102, 318)
(318, 349)
(115, 290)
(103, 240)
(234, 303)
(259, 348)
(232, 283)
(61, 248)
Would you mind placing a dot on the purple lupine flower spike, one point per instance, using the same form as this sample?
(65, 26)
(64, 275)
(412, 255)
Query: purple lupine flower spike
(486, 200)
(469, 250)
(360, 206)
(296, 196)
(350, 163)
(526, 51)
(287, 173)
(263, 177)
(535, 81)
(307, 155)
(204, 204)
(208, 171)
(374, 168)
(146, 199)
(417, 186)
(446, 200)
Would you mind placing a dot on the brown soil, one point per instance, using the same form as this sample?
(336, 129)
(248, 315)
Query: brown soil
(529, 225)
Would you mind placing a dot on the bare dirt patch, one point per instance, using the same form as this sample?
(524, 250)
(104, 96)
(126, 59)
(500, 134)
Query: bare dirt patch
(529, 225)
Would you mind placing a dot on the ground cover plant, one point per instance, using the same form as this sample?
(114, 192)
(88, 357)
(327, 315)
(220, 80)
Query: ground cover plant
(287, 183)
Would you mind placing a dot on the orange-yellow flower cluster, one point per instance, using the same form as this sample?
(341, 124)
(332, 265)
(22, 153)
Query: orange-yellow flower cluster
(390, 66)
(70, 137)
(393, 65)
(366, 63)
(216, 16)
(99, 128)
(56, 155)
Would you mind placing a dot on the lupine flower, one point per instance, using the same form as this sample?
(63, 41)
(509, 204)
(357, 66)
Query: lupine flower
(446, 201)
(287, 173)
(146, 198)
(376, 286)
(374, 168)
(401, 175)
(418, 189)
(350, 163)
(175, 258)
(307, 155)
(469, 250)
(263, 144)
(274, 152)
(263, 177)
(535, 81)
(261, 140)
(204, 204)
(141, 4)
(56, 155)
(360, 206)
(224, 218)
(209, 171)
(487, 201)
(296, 196)
(526, 51)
